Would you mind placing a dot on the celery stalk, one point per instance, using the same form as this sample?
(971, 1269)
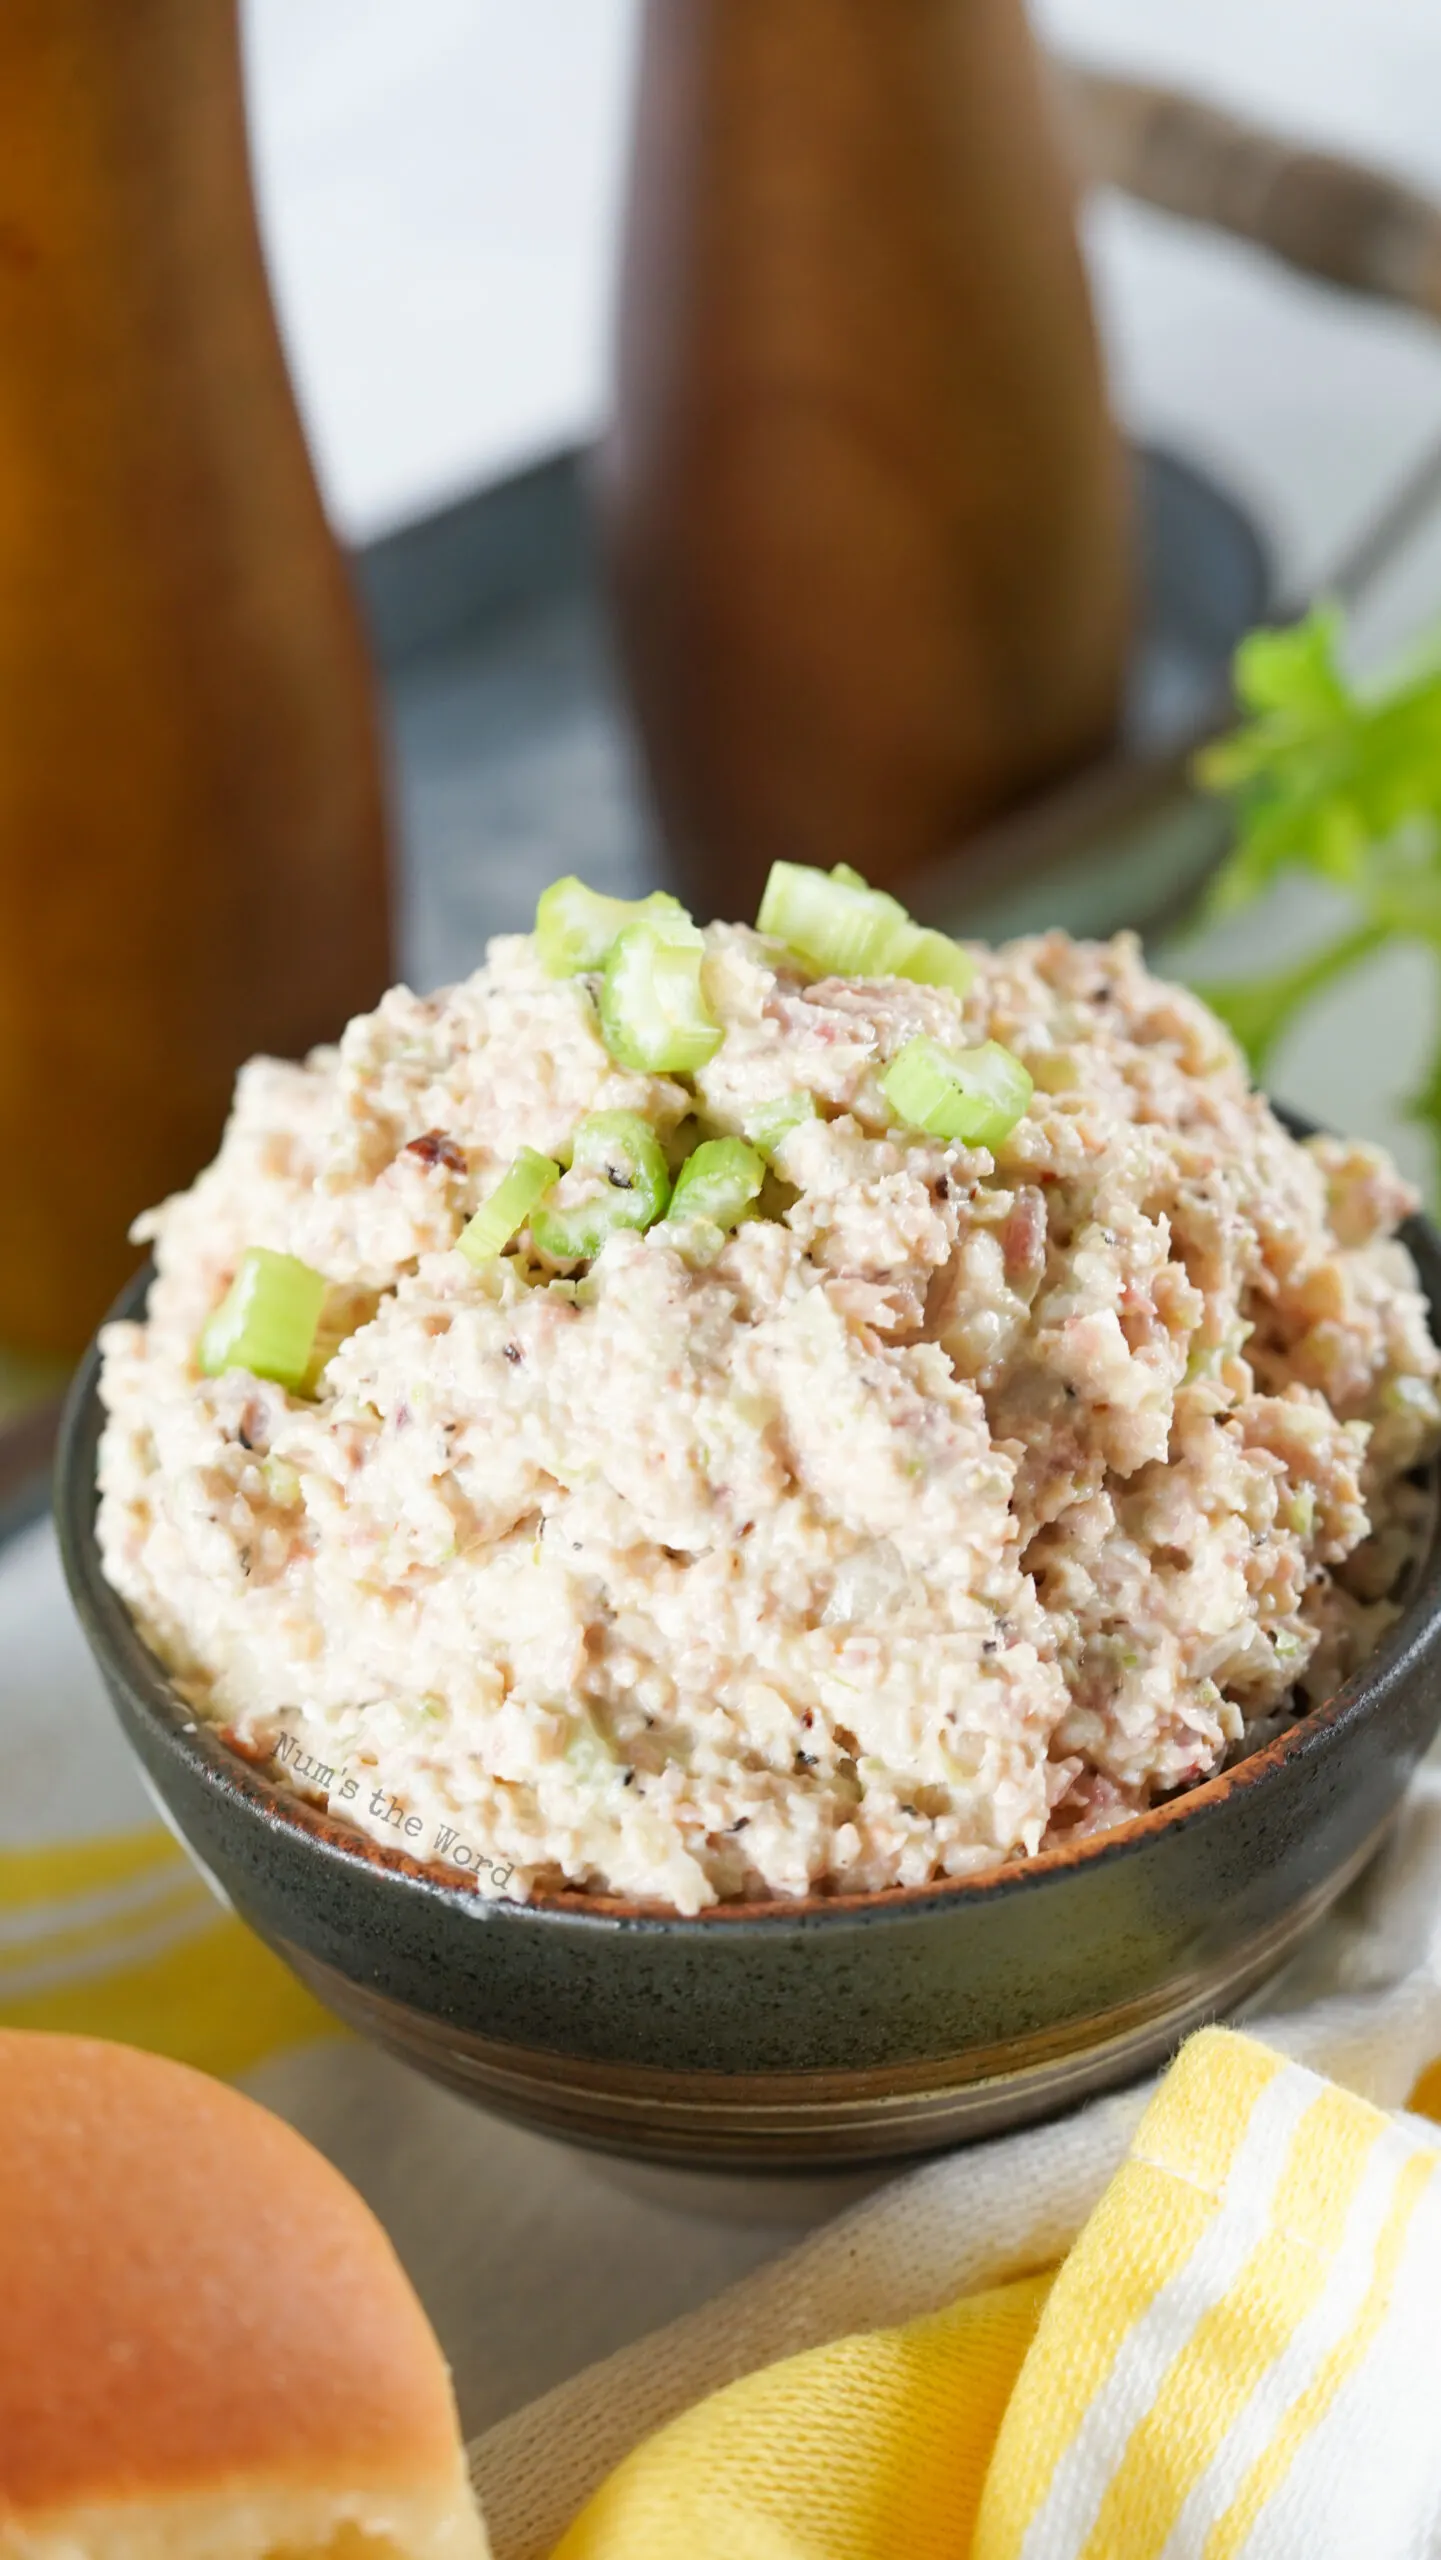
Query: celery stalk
(653, 1012)
(720, 1181)
(267, 1320)
(975, 1095)
(618, 1179)
(771, 1123)
(841, 926)
(575, 926)
(508, 1207)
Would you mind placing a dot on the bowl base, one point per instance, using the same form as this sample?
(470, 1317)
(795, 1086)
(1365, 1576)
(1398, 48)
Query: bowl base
(819, 2120)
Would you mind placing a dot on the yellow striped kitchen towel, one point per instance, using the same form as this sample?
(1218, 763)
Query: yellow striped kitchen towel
(106, 1929)
(1240, 2359)
(119, 1936)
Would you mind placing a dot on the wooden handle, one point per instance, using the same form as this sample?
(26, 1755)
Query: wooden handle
(1329, 216)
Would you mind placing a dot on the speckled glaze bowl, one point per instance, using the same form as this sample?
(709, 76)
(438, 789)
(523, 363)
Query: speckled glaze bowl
(827, 2032)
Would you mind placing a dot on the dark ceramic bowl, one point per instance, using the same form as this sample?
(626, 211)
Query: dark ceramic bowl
(868, 2026)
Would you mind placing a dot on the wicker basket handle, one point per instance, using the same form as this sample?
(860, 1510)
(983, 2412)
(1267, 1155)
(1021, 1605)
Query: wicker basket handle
(1324, 214)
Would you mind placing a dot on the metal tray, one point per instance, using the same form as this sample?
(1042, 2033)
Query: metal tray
(514, 762)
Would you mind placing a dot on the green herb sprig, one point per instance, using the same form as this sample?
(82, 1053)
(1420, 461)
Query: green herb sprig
(1344, 785)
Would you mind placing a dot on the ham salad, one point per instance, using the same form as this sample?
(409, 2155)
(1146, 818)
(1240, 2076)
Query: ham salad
(721, 1415)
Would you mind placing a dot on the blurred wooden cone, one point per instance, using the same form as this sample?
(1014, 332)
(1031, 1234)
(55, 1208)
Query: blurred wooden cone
(192, 836)
(863, 503)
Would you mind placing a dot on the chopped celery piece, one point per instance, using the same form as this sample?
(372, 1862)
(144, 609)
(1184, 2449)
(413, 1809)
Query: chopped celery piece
(282, 1483)
(721, 1181)
(837, 922)
(575, 926)
(653, 1012)
(510, 1204)
(618, 1178)
(933, 960)
(266, 1321)
(770, 1122)
(842, 930)
(589, 1754)
(976, 1095)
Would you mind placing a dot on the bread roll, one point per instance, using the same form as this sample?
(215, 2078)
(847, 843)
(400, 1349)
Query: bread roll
(208, 2348)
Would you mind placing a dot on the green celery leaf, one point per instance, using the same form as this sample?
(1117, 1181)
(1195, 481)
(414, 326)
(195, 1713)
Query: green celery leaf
(1424, 1106)
(1257, 1010)
(1320, 776)
(1345, 785)
(1295, 670)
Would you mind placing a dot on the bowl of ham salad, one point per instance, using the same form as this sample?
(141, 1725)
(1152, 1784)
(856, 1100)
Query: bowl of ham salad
(693, 1448)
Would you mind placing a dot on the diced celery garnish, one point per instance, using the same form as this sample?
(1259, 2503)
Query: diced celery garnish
(771, 1122)
(933, 960)
(282, 1483)
(653, 1012)
(589, 1754)
(575, 926)
(266, 1322)
(619, 1172)
(976, 1095)
(839, 929)
(840, 925)
(508, 1207)
(720, 1181)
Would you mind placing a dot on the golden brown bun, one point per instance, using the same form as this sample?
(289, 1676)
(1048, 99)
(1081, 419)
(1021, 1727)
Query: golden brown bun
(207, 2344)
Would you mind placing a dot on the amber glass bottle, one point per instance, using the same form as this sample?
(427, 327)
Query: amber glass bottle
(863, 503)
(192, 834)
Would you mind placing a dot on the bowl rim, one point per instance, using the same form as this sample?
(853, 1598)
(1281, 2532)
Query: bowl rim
(126, 1659)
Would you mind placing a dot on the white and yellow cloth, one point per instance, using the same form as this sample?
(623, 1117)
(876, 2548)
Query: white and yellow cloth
(1239, 2359)
(1192, 2322)
(105, 1926)
(1199, 2322)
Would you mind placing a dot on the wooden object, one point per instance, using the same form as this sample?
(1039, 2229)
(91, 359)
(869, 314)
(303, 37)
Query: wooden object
(192, 838)
(863, 504)
(1327, 215)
